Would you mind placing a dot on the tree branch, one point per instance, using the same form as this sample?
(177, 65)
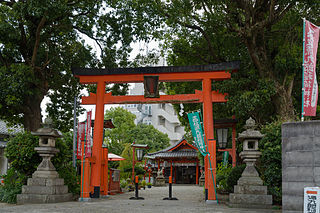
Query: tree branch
(37, 42)
(93, 38)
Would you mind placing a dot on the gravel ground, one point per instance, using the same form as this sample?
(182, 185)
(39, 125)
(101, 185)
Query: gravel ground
(190, 197)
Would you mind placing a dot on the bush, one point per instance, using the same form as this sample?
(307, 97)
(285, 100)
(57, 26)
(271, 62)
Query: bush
(270, 162)
(13, 182)
(222, 174)
(234, 176)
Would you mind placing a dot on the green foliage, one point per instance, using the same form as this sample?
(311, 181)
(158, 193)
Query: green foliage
(123, 183)
(13, 182)
(270, 161)
(21, 154)
(42, 40)
(222, 174)
(234, 176)
(123, 121)
(126, 132)
(147, 134)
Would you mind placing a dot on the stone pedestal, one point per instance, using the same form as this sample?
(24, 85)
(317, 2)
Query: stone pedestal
(249, 191)
(45, 186)
(160, 180)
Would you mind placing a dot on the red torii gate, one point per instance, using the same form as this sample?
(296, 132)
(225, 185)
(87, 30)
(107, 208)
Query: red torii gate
(203, 73)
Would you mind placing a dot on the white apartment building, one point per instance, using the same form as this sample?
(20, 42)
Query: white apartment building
(162, 116)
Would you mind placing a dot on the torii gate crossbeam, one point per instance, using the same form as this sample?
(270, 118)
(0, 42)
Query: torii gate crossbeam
(203, 73)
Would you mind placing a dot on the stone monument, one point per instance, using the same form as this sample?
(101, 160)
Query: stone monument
(160, 181)
(45, 186)
(250, 192)
(202, 179)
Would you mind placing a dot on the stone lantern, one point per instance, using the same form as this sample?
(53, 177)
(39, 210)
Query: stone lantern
(249, 191)
(45, 186)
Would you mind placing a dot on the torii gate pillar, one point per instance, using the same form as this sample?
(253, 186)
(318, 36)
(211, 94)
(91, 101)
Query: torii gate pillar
(211, 143)
(97, 138)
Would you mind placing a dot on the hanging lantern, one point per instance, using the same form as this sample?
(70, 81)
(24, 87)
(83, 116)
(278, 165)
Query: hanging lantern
(222, 135)
(151, 86)
(139, 154)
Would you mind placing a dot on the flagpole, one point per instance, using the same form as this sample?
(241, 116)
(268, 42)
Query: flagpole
(304, 28)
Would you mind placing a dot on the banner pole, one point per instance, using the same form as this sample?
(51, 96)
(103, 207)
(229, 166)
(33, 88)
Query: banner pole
(302, 110)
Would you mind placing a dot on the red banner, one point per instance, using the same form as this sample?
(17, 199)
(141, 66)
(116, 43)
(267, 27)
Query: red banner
(80, 137)
(84, 134)
(310, 85)
(88, 133)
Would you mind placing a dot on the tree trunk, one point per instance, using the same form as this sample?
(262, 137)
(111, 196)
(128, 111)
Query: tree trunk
(283, 102)
(32, 114)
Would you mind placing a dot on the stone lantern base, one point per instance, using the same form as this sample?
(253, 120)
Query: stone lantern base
(45, 186)
(250, 192)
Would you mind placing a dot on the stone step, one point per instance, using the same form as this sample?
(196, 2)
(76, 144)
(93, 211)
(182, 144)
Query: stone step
(45, 182)
(37, 198)
(250, 199)
(250, 189)
(49, 190)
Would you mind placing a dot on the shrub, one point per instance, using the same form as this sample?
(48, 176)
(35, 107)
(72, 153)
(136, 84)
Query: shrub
(13, 182)
(223, 172)
(270, 162)
(234, 176)
(123, 183)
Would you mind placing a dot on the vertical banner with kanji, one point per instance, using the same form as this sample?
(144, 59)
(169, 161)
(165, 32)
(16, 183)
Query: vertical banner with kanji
(88, 134)
(197, 133)
(80, 137)
(310, 85)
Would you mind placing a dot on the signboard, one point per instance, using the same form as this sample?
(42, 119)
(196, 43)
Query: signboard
(197, 132)
(311, 200)
(310, 85)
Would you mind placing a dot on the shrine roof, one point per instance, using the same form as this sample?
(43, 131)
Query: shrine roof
(181, 149)
(227, 66)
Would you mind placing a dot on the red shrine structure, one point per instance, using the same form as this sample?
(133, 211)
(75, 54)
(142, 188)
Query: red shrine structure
(150, 76)
(180, 161)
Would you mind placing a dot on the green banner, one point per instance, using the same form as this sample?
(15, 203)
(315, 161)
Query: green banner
(225, 157)
(197, 133)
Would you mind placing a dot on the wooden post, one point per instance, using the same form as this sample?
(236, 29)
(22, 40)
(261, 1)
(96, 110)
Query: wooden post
(97, 139)
(234, 155)
(133, 162)
(197, 173)
(85, 182)
(211, 143)
(104, 175)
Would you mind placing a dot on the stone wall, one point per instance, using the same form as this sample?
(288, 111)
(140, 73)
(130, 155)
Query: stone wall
(300, 162)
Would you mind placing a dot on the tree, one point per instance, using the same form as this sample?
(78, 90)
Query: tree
(41, 41)
(265, 35)
(126, 132)
(147, 134)
(123, 121)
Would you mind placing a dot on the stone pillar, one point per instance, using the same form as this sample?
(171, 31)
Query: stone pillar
(45, 186)
(250, 192)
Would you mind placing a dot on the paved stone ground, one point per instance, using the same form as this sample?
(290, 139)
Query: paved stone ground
(190, 197)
